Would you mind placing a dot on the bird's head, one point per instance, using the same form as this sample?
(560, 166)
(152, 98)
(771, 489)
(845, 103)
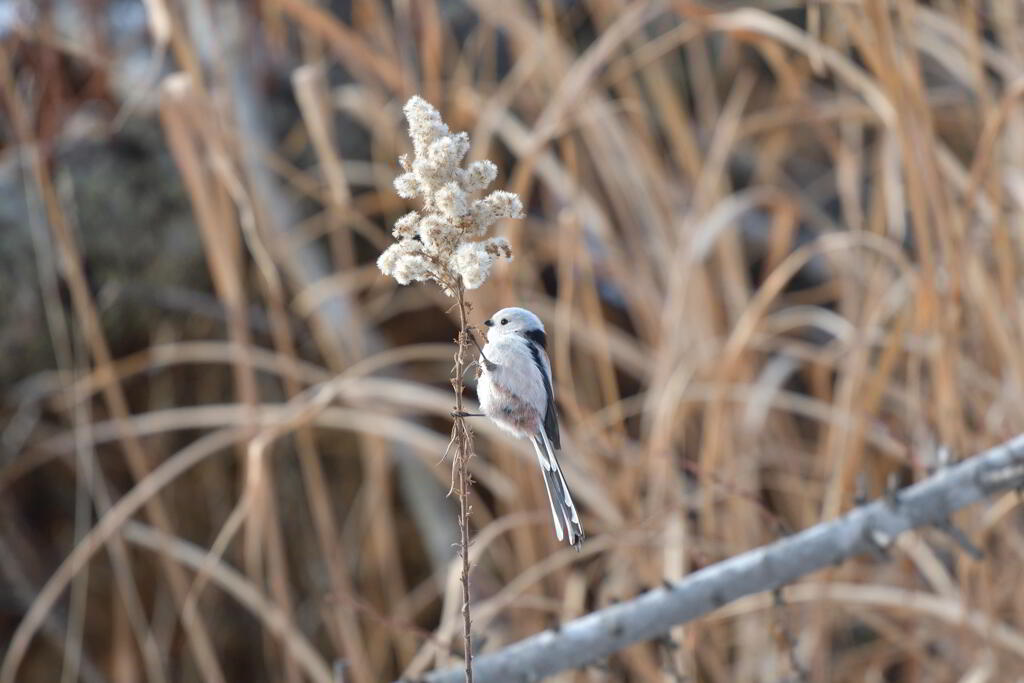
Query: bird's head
(515, 321)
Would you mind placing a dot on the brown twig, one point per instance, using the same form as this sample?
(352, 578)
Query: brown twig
(464, 450)
(483, 359)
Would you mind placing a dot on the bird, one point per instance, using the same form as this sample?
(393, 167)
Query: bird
(516, 392)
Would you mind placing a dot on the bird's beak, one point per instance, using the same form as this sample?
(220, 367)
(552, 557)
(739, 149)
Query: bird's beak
(489, 323)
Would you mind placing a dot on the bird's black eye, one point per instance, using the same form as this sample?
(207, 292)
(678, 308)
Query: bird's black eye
(504, 321)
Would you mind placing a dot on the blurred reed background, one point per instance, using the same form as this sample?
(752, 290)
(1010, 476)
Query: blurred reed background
(777, 249)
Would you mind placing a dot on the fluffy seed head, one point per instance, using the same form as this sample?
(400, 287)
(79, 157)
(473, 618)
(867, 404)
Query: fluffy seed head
(407, 227)
(407, 185)
(473, 264)
(452, 201)
(439, 235)
(437, 243)
(478, 176)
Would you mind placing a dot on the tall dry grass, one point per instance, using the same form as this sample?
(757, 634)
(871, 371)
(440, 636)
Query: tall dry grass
(778, 253)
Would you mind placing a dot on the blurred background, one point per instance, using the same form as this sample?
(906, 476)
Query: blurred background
(777, 247)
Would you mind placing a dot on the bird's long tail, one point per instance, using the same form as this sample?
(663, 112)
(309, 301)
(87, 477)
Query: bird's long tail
(563, 511)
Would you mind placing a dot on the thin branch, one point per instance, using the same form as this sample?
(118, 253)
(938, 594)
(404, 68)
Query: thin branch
(472, 337)
(601, 633)
(463, 452)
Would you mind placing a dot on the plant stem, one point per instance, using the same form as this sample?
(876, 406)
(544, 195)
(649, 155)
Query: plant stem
(463, 451)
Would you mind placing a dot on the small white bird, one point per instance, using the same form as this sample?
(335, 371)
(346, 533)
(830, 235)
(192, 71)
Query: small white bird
(516, 392)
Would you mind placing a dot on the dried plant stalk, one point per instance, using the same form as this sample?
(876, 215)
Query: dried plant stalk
(440, 244)
(463, 440)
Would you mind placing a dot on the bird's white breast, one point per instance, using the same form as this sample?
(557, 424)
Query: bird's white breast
(516, 374)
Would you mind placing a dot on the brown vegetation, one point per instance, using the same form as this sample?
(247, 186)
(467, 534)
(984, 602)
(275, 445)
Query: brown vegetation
(777, 251)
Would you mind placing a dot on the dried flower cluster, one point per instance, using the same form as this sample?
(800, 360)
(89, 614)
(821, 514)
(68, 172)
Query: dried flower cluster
(442, 241)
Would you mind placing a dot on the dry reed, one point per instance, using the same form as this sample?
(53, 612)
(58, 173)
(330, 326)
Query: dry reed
(776, 248)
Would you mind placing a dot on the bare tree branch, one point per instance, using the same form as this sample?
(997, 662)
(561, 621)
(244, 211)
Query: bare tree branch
(868, 528)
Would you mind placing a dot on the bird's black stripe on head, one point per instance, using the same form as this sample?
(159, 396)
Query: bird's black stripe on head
(550, 417)
(537, 337)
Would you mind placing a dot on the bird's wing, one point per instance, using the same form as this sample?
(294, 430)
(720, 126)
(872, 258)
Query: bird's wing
(540, 360)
